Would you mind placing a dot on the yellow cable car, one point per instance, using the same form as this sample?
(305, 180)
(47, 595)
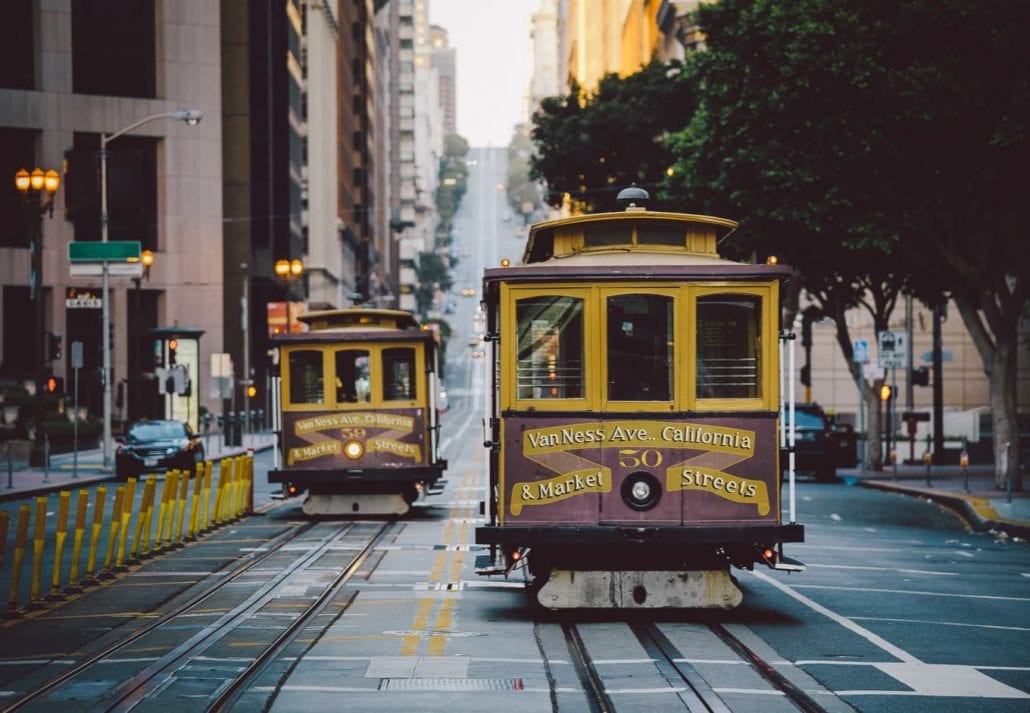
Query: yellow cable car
(358, 417)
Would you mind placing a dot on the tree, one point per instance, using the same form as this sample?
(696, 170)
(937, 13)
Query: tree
(816, 128)
(591, 146)
(452, 185)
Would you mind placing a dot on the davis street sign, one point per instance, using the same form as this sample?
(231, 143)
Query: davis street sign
(123, 257)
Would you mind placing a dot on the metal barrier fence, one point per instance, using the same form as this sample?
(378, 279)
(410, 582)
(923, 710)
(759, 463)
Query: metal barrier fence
(188, 508)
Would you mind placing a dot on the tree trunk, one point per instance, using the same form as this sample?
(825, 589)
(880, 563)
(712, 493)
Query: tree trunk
(1004, 417)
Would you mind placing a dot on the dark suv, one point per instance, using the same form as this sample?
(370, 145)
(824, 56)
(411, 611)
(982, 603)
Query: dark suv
(820, 444)
(154, 446)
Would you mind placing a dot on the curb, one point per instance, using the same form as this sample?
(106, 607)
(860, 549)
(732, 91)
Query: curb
(88, 478)
(977, 512)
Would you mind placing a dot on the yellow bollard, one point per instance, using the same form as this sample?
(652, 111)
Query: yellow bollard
(224, 513)
(241, 498)
(148, 518)
(173, 498)
(216, 516)
(250, 483)
(94, 539)
(208, 467)
(5, 521)
(115, 527)
(235, 500)
(63, 504)
(130, 498)
(80, 529)
(38, 541)
(192, 530)
(230, 500)
(21, 537)
(162, 509)
(184, 491)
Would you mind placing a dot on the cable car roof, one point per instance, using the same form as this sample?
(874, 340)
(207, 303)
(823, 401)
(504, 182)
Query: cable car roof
(630, 231)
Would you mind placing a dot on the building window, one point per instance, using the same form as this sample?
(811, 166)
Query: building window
(131, 188)
(17, 151)
(17, 45)
(113, 48)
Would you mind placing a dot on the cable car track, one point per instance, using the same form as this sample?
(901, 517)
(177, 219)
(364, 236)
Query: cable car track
(694, 692)
(157, 675)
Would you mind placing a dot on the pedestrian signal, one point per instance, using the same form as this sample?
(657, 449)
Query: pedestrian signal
(886, 392)
(55, 385)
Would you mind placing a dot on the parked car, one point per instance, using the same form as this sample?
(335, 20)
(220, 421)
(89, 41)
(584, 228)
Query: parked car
(821, 445)
(155, 446)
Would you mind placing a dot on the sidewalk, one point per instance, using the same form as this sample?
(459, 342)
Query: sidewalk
(985, 507)
(21, 481)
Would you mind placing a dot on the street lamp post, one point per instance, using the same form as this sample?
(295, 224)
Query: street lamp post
(288, 272)
(38, 189)
(192, 117)
(147, 258)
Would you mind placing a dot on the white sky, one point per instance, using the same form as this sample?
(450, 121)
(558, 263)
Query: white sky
(494, 63)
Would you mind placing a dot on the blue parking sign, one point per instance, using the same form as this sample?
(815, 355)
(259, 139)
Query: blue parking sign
(860, 349)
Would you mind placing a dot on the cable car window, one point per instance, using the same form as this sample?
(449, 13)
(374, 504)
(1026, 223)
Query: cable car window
(598, 236)
(352, 377)
(399, 374)
(728, 346)
(550, 348)
(661, 235)
(640, 348)
(306, 378)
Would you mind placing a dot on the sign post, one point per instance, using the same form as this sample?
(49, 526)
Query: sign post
(106, 258)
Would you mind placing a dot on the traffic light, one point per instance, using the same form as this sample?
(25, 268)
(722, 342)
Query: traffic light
(55, 385)
(921, 376)
(173, 344)
(53, 346)
(251, 391)
(886, 392)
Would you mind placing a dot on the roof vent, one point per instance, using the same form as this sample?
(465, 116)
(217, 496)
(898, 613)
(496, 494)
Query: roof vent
(632, 198)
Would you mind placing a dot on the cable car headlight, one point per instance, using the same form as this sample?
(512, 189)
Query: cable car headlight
(641, 490)
(354, 449)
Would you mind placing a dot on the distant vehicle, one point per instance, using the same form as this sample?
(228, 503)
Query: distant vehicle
(468, 291)
(359, 413)
(820, 444)
(449, 306)
(153, 446)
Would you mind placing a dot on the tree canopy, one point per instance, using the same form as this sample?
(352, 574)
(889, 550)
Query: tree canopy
(593, 145)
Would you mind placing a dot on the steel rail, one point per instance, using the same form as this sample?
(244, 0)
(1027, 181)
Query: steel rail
(665, 655)
(590, 679)
(134, 691)
(794, 694)
(50, 684)
(231, 693)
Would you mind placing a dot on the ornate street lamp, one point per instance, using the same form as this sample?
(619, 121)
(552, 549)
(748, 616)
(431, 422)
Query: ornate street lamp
(288, 272)
(38, 188)
(136, 385)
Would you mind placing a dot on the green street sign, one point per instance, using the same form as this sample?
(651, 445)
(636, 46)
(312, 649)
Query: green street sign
(111, 251)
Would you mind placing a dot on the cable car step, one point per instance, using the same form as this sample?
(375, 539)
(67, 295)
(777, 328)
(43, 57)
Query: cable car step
(487, 565)
(788, 564)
